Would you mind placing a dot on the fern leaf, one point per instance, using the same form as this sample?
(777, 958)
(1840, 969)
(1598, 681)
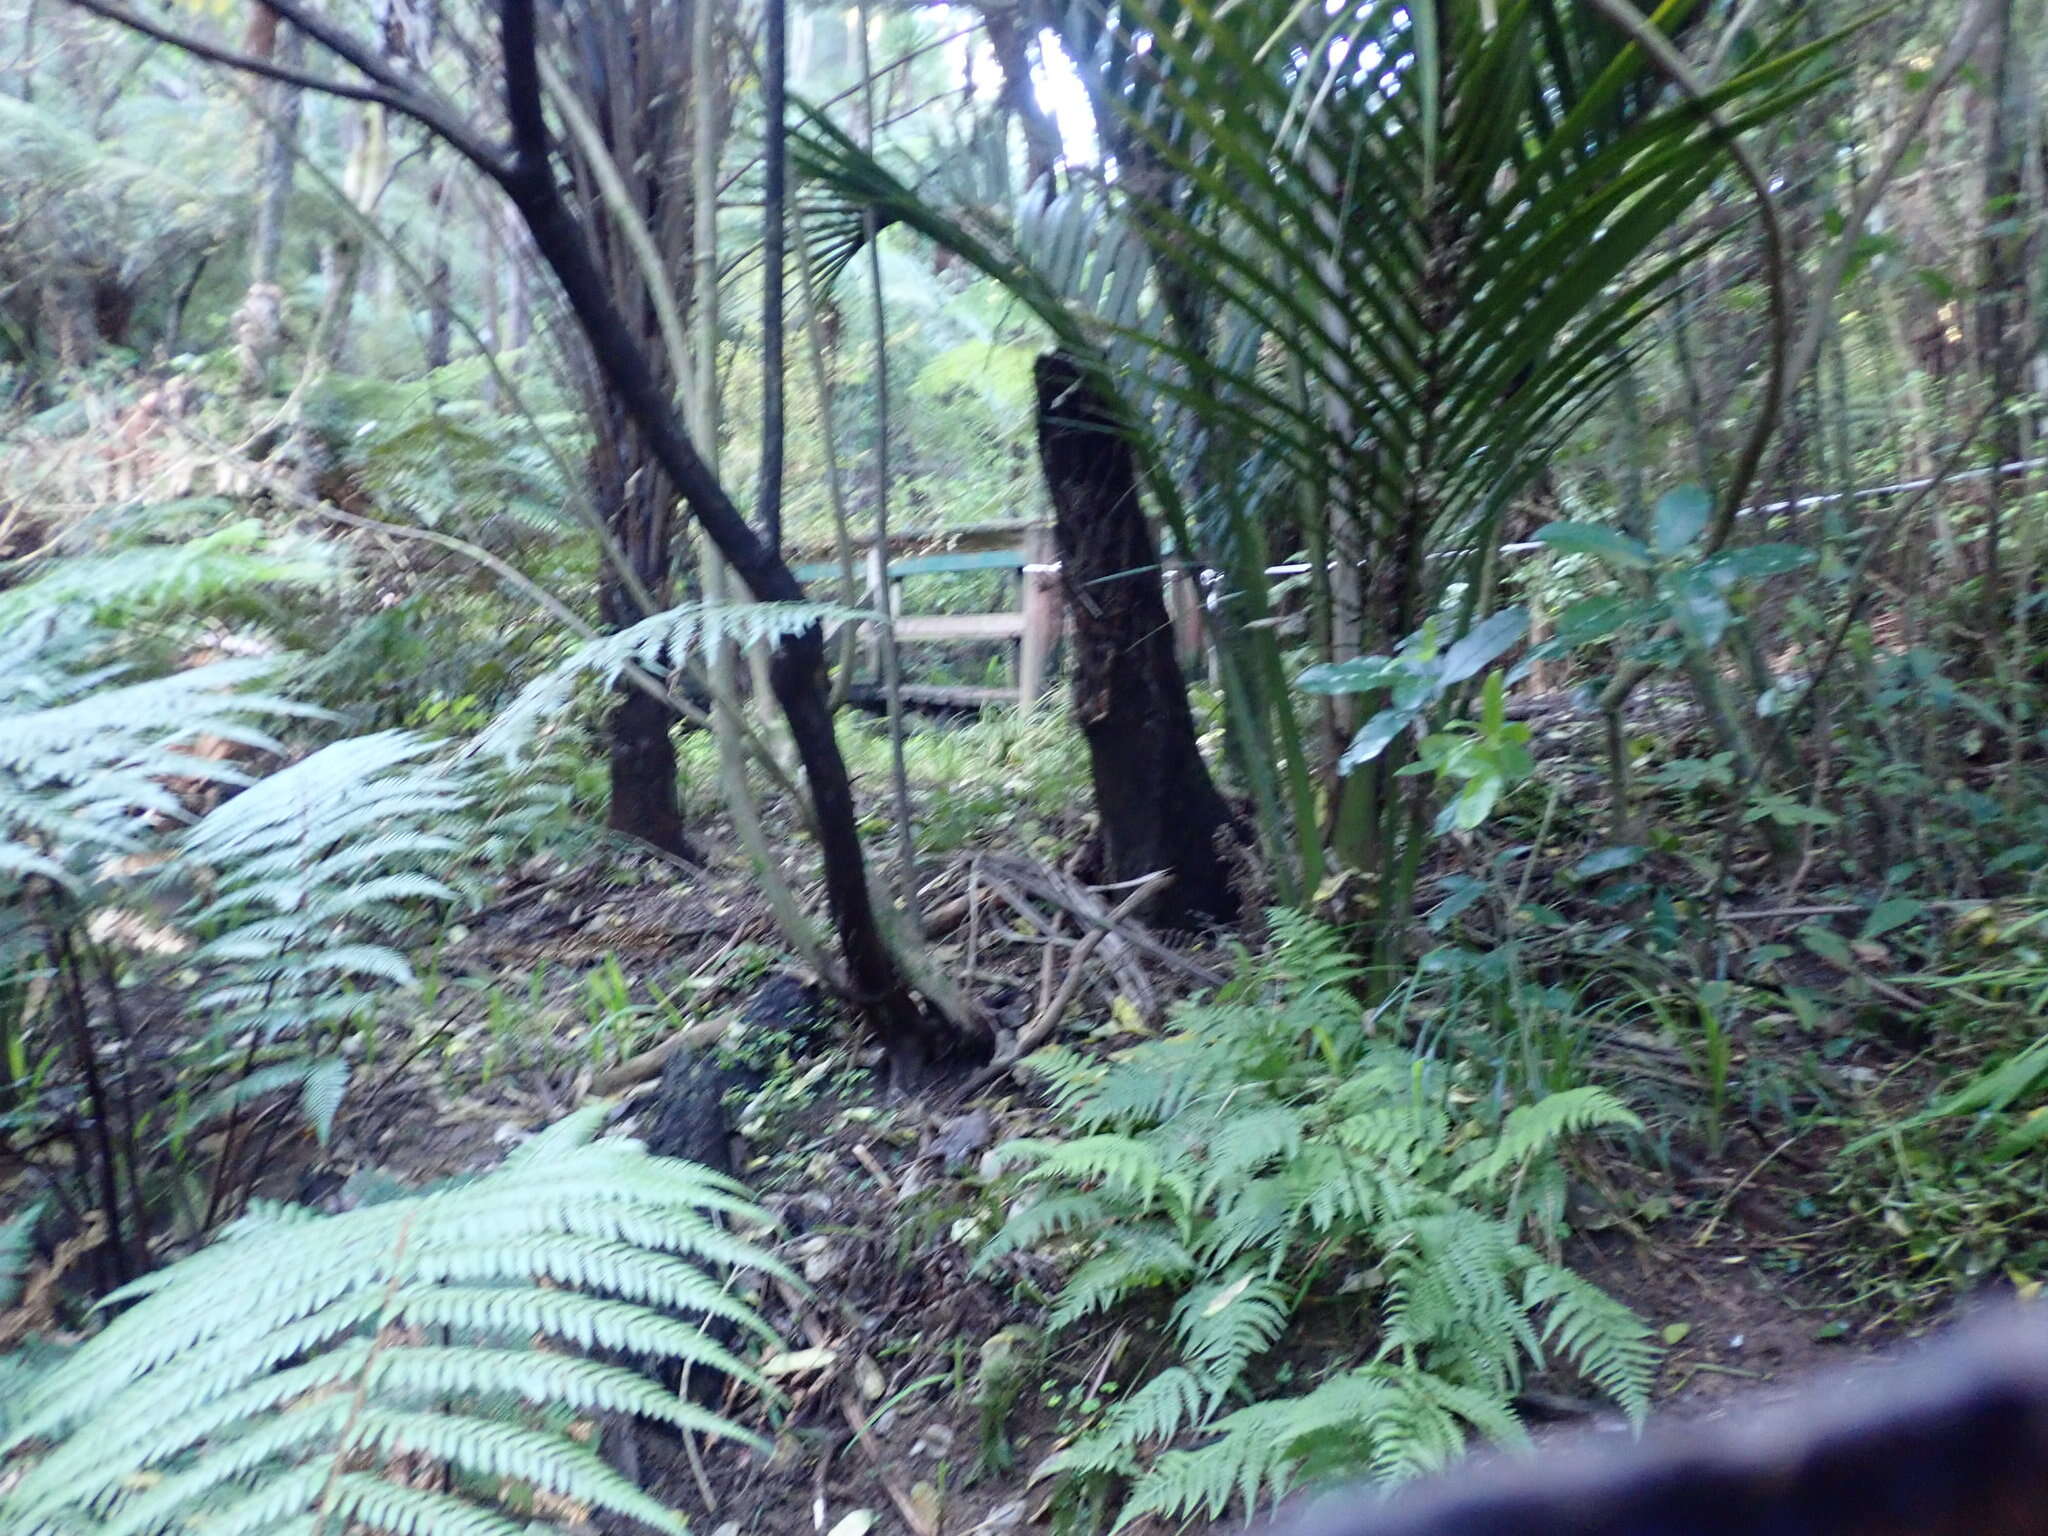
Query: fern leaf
(1532, 1130)
(263, 1366)
(1610, 1346)
(1173, 1400)
(658, 644)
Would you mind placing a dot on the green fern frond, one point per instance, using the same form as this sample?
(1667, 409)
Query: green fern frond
(17, 1251)
(1174, 1400)
(1608, 1344)
(87, 755)
(278, 1377)
(198, 576)
(1122, 1164)
(1257, 1214)
(1533, 1130)
(658, 645)
(1151, 1083)
(1225, 1324)
(318, 871)
(1307, 957)
(1139, 1259)
(1046, 1218)
(1251, 1140)
(1268, 1141)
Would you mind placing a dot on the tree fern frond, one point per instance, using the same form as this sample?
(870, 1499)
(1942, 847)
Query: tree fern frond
(657, 644)
(272, 1363)
(17, 1250)
(197, 576)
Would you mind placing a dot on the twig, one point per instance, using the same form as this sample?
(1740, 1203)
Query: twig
(905, 1505)
(1034, 1034)
(1727, 1200)
(650, 1062)
(867, 1160)
(1080, 902)
(704, 1489)
(1840, 909)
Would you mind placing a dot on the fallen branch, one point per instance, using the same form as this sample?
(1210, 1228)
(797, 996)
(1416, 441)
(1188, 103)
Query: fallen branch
(649, 1063)
(1040, 1029)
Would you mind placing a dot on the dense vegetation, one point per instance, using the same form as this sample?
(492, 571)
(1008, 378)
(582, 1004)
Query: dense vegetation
(536, 994)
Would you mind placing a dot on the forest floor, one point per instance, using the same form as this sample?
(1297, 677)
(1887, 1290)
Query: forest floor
(1743, 1255)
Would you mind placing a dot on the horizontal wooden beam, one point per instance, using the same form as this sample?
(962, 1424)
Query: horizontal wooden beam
(928, 565)
(960, 626)
(971, 536)
(934, 695)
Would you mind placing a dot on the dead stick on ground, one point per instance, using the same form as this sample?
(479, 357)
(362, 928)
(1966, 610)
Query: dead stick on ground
(650, 1062)
(913, 1517)
(1727, 1200)
(1034, 1034)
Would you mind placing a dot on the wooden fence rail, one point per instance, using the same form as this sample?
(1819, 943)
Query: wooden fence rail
(1030, 626)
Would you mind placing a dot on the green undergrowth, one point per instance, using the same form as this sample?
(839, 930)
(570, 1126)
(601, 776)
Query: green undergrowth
(1270, 1164)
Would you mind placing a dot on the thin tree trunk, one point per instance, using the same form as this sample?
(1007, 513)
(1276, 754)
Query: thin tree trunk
(1008, 34)
(2002, 321)
(259, 322)
(828, 436)
(1154, 799)
(643, 800)
(440, 281)
(517, 329)
(892, 662)
(774, 156)
(878, 981)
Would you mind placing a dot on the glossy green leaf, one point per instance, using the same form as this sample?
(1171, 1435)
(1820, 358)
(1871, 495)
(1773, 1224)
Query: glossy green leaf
(1892, 912)
(1375, 736)
(1605, 862)
(1679, 517)
(1702, 612)
(1610, 546)
(1483, 644)
(1755, 561)
(1361, 674)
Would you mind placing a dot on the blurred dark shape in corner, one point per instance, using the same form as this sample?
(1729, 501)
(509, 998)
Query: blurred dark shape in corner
(1946, 1438)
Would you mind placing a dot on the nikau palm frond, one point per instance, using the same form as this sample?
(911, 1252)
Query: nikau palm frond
(1354, 271)
(413, 1367)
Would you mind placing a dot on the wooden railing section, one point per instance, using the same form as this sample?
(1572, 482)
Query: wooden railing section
(1031, 625)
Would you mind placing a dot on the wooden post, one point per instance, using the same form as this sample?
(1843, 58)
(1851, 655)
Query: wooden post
(1184, 602)
(1538, 681)
(881, 593)
(1040, 601)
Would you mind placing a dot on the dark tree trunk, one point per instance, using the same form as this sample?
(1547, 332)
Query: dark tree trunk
(643, 799)
(1009, 28)
(913, 1035)
(1154, 799)
(2003, 343)
(644, 803)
